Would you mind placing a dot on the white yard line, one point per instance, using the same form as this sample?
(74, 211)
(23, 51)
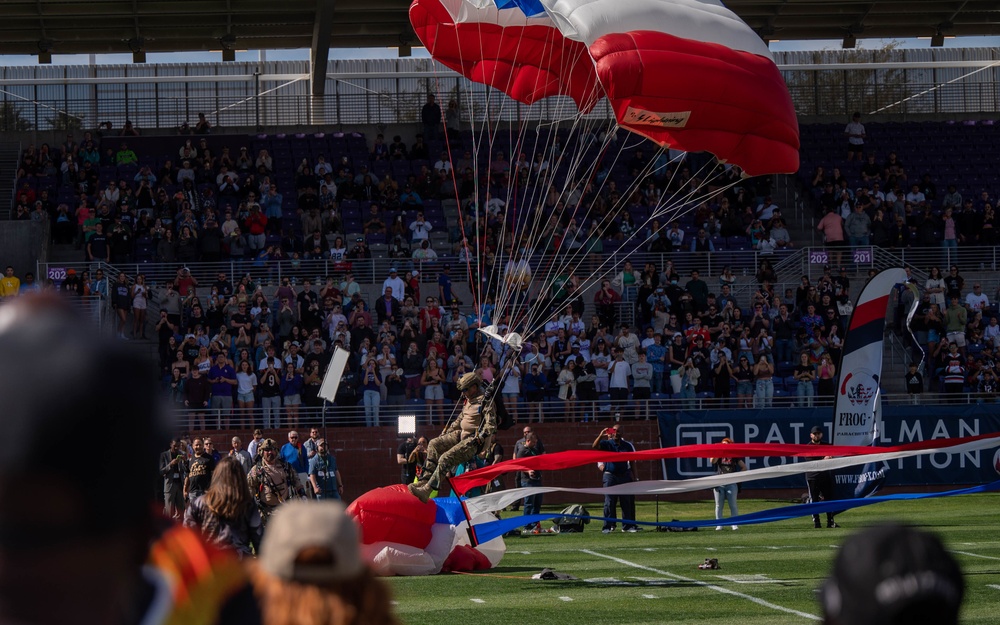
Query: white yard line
(565, 598)
(477, 601)
(993, 586)
(649, 597)
(725, 591)
(975, 555)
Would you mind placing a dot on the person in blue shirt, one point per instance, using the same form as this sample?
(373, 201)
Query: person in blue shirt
(610, 439)
(324, 476)
(656, 354)
(444, 286)
(223, 379)
(294, 454)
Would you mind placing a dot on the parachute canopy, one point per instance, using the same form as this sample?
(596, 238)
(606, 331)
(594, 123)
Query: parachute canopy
(688, 74)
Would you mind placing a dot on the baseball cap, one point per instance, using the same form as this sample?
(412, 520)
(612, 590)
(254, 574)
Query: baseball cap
(816, 430)
(322, 526)
(893, 574)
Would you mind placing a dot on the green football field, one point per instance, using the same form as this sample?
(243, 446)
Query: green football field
(769, 573)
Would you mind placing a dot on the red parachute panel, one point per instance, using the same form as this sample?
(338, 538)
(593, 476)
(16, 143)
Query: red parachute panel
(527, 63)
(696, 96)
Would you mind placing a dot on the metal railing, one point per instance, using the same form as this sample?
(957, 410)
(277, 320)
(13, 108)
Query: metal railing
(186, 420)
(790, 266)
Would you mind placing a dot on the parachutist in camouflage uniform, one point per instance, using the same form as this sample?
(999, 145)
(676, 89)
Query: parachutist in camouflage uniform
(462, 438)
(272, 481)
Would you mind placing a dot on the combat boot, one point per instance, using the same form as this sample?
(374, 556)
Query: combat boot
(421, 490)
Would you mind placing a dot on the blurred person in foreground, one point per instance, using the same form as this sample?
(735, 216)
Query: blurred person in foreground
(893, 575)
(74, 554)
(310, 570)
(226, 514)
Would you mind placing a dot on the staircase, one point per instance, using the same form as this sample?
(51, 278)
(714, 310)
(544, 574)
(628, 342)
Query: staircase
(10, 152)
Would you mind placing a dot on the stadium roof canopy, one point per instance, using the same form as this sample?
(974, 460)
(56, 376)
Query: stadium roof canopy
(107, 26)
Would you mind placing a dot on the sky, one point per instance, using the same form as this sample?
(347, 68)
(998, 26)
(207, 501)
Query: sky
(389, 53)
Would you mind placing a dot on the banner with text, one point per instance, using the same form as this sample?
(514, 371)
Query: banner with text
(899, 425)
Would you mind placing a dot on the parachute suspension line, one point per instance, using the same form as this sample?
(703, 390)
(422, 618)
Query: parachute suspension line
(461, 224)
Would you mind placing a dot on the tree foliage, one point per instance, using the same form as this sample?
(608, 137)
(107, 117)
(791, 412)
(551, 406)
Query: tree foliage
(11, 119)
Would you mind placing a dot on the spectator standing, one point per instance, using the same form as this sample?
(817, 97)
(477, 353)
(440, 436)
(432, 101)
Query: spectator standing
(200, 469)
(371, 382)
(855, 133)
(173, 470)
(820, 483)
(614, 473)
(270, 389)
(532, 503)
(223, 379)
(804, 374)
(430, 116)
(619, 372)
(294, 454)
(763, 372)
(407, 469)
(225, 514)
(241, 455)
(10, 285)
(956, 318)
(832, 228)
(324, 476)
(727, 492)
(292, 384)
(858, 226)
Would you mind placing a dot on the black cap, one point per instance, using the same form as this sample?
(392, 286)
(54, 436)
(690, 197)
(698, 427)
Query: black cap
(816, 430)
(893, 575)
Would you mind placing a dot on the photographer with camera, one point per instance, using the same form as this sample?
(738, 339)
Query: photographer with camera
(614, 473)
(173, 469)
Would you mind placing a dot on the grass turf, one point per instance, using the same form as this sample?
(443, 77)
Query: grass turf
(769, 573)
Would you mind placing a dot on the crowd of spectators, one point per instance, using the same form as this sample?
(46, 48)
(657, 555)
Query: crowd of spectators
(875, 198)
(226, 200)
(683, 338)
(693, 341)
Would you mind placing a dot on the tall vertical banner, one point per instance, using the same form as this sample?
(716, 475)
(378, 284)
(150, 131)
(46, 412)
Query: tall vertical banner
(856, 413)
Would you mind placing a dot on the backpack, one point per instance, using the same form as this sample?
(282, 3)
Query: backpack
(572, 524)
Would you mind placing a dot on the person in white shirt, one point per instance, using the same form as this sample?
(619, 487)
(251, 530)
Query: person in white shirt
(322, 168)
(916, 196)
(443, 163)
(420, 229)
(619, 372)
(396, 283)
(855, 132)
(977, 300)
(494, 204)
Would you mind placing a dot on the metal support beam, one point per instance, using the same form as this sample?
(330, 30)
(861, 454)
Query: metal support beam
(320, 51)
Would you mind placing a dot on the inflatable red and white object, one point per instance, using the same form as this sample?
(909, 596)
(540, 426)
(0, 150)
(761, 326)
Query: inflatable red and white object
(402, 536)
(688, 74)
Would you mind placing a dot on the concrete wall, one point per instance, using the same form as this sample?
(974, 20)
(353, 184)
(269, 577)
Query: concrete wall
(23, 244)
(367, 456)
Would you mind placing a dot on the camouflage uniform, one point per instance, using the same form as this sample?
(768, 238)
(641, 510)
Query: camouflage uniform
(461, 440)
(272, 485)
